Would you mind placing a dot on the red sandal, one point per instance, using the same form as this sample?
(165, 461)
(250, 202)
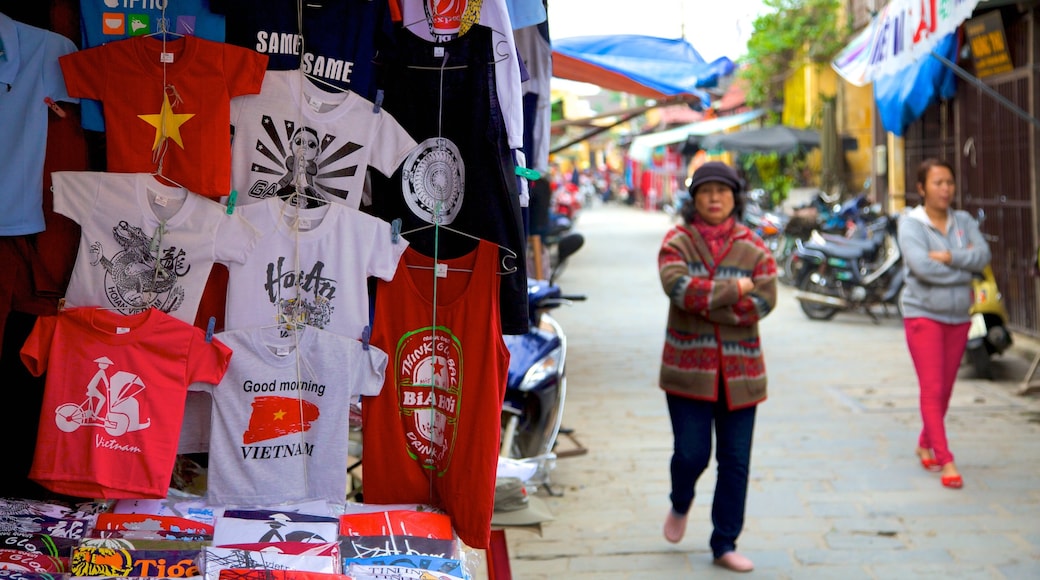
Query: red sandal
(927, 461)
(953, 481)
(930, 464)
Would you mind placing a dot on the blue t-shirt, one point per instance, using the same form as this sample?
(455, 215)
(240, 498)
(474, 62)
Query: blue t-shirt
(101, 23)
(29, 73)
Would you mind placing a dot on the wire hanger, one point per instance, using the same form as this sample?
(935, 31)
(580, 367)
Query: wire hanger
(327, 84)
(164, 27)
(509, 254)
(158, 173)
(298, 194)
(288, 206)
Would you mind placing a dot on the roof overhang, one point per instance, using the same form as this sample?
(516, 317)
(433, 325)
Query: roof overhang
(642, 147)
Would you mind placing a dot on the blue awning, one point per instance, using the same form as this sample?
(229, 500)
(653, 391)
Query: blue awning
(902, 99)
(640, 65)
(643, 146)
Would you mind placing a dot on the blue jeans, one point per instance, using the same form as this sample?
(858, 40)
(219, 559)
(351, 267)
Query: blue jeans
(692, 423)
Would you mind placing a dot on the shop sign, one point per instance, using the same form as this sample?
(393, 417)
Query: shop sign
(988, 45)
(904, 32)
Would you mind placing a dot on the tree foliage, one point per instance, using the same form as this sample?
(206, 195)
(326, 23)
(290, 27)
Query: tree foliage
(791, 34)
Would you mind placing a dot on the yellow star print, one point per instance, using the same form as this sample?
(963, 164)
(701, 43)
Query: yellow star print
(167, 123)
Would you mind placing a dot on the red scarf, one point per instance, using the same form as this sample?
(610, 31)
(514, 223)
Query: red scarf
(716, 236)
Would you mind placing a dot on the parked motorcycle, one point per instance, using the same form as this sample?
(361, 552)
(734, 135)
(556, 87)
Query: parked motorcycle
(848, 274)
(767, 223)
(566, 201)
(674, 206)
(536, 388)
(854, 220)
(988, 334)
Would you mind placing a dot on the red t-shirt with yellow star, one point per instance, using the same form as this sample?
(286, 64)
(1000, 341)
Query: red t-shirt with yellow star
(167, 104)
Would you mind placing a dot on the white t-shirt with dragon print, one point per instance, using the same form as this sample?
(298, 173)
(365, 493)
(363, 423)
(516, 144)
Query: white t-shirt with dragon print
(126, 261)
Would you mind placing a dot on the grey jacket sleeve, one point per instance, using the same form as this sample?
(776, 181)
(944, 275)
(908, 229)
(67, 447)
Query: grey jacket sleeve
(915, 242)
(976, 254)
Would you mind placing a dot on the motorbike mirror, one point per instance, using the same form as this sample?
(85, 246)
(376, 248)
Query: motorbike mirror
(568, 245)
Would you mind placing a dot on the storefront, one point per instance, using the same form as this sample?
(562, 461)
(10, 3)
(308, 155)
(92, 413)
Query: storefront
(223, 226)
(960, 84)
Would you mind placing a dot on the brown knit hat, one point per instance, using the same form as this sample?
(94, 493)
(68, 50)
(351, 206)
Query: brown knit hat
(716, 171)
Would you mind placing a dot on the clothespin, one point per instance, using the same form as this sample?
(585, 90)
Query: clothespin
(379, 101)
(50, 103)
(366, 335)
(231, 202)
(153, 247)
(531, 174)
(210, 327)
(395, 230)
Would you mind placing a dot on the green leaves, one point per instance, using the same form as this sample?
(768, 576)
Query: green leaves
(794, 33)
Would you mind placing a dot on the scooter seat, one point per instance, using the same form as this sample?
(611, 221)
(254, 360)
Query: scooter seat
(869, 246)
(843, 251)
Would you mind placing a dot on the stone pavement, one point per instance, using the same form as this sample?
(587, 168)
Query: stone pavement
(836, 490)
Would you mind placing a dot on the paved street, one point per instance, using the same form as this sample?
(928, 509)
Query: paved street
(836, 489)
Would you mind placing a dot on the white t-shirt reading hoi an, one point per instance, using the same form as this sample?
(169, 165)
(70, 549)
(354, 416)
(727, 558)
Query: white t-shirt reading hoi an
(310, 267)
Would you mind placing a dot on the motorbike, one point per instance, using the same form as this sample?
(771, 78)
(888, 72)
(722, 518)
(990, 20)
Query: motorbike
(988, 334)
(767, 223)
(674, 206)
(839, 274)
(536, 387)
(853, 221)
(566, 201)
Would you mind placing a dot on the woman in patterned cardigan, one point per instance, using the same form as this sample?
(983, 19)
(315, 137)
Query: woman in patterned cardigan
(720, 280)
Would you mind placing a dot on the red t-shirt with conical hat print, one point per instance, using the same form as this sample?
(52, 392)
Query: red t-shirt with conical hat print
(171, 98)
(114, 397)
(431, 435)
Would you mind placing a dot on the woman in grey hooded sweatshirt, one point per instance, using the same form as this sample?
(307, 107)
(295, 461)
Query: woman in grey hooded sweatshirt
(942, 250)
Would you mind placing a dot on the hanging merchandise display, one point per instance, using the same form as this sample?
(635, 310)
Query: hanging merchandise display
(144, 244)
(462, 174)
(114, 400)
(278, 426)
(293, 137)
(104, 21)
(300, 273)
(431, 435)
(167, 104)
(29, 79)
(315, 152)
(336, 48)
(440, 23)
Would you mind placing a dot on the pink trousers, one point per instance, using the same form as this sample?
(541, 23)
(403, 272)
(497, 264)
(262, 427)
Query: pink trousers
(936, 349)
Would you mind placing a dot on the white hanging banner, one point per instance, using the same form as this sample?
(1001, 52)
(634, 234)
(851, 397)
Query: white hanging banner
(903, 32)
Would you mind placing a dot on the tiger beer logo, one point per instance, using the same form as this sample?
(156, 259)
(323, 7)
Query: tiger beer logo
(429, 371)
